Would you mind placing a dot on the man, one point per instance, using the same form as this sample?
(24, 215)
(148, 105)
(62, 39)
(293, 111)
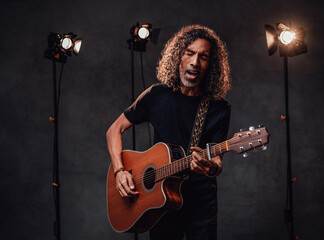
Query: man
(194, 64)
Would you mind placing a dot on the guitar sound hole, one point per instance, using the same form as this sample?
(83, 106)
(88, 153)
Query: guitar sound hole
(149, 178)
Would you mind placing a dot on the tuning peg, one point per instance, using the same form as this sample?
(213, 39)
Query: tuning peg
(251, 128)
(264, 147)
(245, 154)
(242, 129)
(260, 125)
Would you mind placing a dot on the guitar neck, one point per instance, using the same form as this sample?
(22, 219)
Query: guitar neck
(240, 143)
(184, 163)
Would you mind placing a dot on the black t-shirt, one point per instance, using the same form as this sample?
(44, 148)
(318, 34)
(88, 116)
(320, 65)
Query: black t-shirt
(172, 115)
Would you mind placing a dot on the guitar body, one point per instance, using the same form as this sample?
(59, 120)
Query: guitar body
(141, 213)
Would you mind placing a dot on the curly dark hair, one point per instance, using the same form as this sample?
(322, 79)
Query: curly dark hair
(216, 82)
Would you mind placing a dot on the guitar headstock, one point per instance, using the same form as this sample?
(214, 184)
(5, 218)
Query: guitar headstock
(250, 139)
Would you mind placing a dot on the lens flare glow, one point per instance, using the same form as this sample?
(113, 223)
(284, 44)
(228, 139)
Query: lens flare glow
(66, 43)
(287, 37)
(143, 33)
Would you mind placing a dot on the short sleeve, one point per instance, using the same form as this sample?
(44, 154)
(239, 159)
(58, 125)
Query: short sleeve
(138, 112)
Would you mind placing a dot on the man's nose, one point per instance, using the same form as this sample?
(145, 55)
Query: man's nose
(195, 60)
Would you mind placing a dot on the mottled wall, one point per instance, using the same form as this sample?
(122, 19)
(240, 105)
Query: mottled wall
(96, 89)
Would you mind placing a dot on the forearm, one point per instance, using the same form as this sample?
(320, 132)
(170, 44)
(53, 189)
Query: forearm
(114, 140)
(124, 181)
(114, 144)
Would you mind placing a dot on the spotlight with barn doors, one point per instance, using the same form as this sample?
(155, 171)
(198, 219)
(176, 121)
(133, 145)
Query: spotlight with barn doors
(62, 45)
(140, 35)
(289, 40)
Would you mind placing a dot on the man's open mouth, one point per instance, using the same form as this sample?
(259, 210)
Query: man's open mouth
(192, 72)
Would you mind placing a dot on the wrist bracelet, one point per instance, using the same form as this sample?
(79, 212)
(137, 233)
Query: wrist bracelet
(216, 171)
(119, 170)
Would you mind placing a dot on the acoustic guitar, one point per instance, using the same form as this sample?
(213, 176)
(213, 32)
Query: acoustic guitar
(158, 175)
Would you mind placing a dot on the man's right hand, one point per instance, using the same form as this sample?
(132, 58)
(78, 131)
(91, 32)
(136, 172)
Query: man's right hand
(125, 185)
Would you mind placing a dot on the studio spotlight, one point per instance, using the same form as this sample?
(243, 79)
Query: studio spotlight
(140, 35)
(289, 40)
(62, 45)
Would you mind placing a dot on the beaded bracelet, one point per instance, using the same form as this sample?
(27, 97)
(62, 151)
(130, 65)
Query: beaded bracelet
(119, 170)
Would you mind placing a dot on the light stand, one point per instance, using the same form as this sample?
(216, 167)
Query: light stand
(140, 35)
(55, 183)
(289, 211)
(291, 43)
(59, 47)
(131, 44)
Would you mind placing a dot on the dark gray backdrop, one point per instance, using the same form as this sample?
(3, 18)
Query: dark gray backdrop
(96, 89)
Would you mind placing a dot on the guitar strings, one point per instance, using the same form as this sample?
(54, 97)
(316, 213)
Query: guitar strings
(170, 168)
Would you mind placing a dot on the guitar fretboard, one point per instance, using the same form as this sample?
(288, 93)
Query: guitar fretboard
(182, 164)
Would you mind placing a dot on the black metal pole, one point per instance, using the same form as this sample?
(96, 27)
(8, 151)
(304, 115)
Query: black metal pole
(132, 88)
(289, 211)
(56, 185)
(131, 42)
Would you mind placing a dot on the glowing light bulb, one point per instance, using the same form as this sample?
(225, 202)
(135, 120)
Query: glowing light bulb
(143, 33)
(287, 37)
(66, 43)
